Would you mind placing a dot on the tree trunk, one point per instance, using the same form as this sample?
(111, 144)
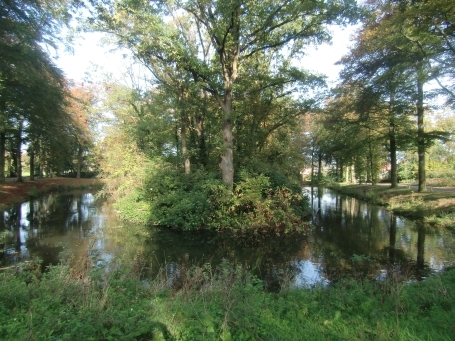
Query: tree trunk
(227, 158)
(393, 157)
(19, 152)
(12, 159)
(79, 161)
(32, 161)
(374, 175)
(2, 156)
(336, 170)
(199, 124)
(183, 128)
(312, 164)
(185, 154)
(341, 170)
(421, 136)
(319, 167)
(368, 171)
(229, 58)
(9, 167)
(392, 144)
(41, 161)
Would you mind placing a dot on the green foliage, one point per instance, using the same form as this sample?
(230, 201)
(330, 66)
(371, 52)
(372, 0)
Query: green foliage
(236, 50)
(131, 207)
(58, 306)
(185, 201)
(33, 89)
(259, 206)
(444, 219)
(201, 201)
(3, 236)
(407, 170)
(225, 304)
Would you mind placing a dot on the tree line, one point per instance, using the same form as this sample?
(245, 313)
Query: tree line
(379, 112)
(39, 109)
(222, 94)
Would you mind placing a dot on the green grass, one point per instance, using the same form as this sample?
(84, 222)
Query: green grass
(228, 304)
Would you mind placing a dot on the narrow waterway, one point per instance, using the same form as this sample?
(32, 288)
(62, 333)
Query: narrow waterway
(347, 237)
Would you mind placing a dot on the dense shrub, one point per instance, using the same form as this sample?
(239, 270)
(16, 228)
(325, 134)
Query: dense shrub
(183, 200)
(200, 200)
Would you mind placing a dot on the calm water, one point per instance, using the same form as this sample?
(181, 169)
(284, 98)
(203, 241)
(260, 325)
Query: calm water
(347, 237)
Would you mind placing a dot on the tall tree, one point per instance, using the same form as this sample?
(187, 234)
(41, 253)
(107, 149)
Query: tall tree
(392, 56)
(28, 77)
(81, 107)
(229, 33)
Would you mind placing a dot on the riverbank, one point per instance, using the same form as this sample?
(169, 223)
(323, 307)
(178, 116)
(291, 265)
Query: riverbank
(435, 207)
(229, 304)
(13, 193)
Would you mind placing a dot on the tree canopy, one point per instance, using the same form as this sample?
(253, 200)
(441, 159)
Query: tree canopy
(225, 111)
(33, 91)
(217, 47)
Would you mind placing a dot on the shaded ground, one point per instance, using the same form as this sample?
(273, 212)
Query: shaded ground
(12, 193)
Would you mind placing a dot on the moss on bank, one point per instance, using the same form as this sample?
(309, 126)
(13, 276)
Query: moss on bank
(227, 304)
(433, 207)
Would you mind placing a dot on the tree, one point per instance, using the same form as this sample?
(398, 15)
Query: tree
(354, 133)
(213, 41)
(33, 96)
(392, 56)
(31, 84)
(428, 25)
(81, 107)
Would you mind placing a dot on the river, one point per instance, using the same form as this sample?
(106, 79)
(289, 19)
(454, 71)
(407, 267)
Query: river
(346, 237)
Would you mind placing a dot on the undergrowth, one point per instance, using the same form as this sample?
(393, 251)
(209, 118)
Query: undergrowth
(201, 201)
(200, 303)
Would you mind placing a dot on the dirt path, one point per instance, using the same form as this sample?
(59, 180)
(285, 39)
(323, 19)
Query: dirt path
(12, 192)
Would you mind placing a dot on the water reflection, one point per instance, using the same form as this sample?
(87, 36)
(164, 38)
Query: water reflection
(47, 226)
(345, 227)
(347, 236)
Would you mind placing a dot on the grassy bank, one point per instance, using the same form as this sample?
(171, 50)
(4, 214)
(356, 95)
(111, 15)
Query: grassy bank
(13, 193)
(229, 304)
(434, 207)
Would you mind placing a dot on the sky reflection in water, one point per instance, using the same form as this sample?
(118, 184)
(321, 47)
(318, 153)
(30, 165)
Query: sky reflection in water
(347, 237)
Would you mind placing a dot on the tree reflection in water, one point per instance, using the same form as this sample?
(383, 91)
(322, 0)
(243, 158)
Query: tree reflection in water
(347, 237)
(345, 227)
